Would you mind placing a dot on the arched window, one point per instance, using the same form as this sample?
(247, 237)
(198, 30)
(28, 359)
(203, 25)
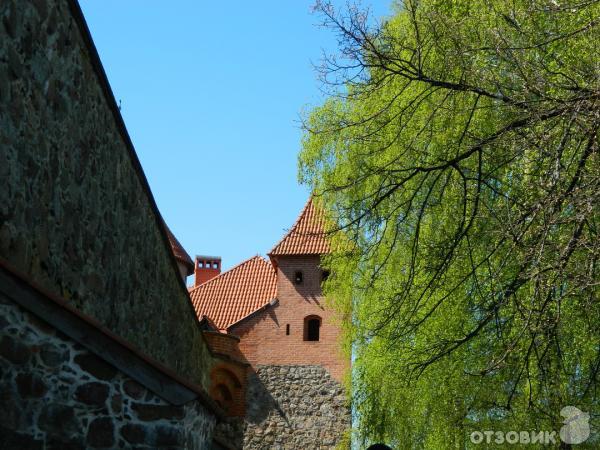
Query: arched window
(227, 391)
(312, 325)
(222, 395)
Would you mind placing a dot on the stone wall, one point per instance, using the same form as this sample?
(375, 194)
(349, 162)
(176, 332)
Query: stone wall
(294, 407)
(76, 213)
(55, 395)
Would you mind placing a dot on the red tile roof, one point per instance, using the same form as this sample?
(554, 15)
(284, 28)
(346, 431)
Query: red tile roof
(237, 293)
(307, 236)
(179, 251)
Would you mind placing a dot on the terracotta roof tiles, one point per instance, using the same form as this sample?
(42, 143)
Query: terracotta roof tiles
(237, 293)
(179, 251)
(307, 236)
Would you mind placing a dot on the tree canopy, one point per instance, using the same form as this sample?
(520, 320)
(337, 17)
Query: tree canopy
(457, 157)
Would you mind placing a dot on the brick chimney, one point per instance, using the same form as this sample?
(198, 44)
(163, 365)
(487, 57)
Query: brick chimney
(206, 268)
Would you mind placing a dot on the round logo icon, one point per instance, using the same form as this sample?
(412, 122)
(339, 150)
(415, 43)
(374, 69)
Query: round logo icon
(576, 427)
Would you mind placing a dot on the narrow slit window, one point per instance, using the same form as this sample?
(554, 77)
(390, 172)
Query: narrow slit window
(287, 329)
(298, 277)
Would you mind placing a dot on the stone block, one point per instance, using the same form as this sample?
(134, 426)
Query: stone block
(93, 394)
(30, 385)
(14, 351)
(95, 366)
(133, 433)
(58, 420)
(53, 356)
(101, 433)
(133, 389)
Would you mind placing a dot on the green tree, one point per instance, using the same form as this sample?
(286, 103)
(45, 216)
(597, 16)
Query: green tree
(458, 154)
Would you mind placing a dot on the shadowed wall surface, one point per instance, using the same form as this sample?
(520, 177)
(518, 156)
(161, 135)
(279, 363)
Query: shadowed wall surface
(57, 394)
(76, 213)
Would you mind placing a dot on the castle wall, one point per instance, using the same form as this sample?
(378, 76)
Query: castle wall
(294, 407)
(56, 394)
(78, 218)
(76, 213)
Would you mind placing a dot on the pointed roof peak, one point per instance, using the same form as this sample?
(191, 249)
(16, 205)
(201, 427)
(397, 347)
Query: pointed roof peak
(307, 236)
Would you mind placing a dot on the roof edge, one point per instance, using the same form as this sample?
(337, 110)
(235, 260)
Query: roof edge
(273, 302)
(237, 266)
(291, 230)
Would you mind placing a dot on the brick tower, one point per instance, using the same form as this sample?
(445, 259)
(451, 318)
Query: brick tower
(288, 337)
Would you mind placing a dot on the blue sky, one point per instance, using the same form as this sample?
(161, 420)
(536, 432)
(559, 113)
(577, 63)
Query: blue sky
(211, 93)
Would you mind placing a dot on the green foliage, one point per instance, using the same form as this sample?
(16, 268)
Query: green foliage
(458, 154)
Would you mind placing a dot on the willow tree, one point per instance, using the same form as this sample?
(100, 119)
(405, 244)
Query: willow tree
(457, 153)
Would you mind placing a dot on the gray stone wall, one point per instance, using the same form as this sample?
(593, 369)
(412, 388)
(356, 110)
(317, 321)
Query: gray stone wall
(56, 395)
(74, 212)
(294, 407)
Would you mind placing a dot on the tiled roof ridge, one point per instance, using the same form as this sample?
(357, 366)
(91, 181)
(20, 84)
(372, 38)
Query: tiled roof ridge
(293, 228)
(314, 242)
(228, 271)
(243, 289)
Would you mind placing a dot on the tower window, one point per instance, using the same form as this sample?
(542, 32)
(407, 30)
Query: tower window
(298, 277)
(287, 329)
(312, 325)
(222, 396)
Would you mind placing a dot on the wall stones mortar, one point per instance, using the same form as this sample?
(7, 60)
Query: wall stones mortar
(75, 217)
(294, 396)
(74, 213)
(55, 394)
(294, 407)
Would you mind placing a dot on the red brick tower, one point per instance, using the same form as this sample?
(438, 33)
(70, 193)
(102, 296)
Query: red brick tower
(287, 335)
(299, 330)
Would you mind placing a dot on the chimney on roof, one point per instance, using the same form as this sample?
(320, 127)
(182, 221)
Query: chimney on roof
(206, 268)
